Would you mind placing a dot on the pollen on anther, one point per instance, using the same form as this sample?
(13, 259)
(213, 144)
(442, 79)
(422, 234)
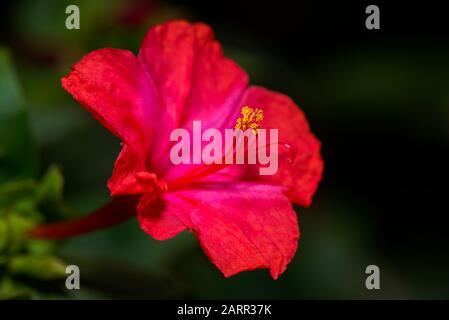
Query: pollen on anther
(250, 119)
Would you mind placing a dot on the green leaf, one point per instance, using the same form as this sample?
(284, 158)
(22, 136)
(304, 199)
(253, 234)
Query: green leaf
(3, 235)
(49, 195)
(17, 151)
(51, 186)
(38, 266)
(41, 247)
(12, 290)
(14, 191)
(18, 225)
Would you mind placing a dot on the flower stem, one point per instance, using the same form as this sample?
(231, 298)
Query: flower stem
(117, 211)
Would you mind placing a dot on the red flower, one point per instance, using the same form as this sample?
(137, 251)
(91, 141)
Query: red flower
(242, 220)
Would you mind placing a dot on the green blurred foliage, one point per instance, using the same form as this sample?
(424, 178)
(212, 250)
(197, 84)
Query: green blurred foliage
(17, 151)
(26, 265)
(22, 198)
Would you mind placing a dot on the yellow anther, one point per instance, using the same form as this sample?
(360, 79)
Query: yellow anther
(250, 119)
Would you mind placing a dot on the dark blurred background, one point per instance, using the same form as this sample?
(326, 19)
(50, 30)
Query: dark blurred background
(377, 99)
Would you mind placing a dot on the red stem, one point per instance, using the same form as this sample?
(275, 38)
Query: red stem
(115, 212)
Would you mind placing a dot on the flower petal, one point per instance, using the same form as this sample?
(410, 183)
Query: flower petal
(158, 218)
(218, 84)
(240, 226)
(301, 177)
(193, 79)
(167, 55)
(123, 180)
(110, 84)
